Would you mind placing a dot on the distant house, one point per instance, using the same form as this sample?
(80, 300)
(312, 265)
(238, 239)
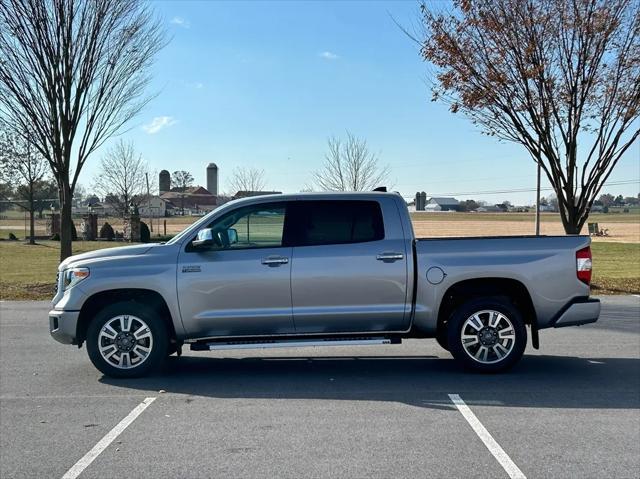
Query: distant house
(155, 207)
(442, 204)
(546, 208)
(90, 200)
(490, 209)
(97, 207)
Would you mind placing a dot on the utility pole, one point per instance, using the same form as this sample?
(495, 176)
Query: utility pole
(146, 175)
(538, 202)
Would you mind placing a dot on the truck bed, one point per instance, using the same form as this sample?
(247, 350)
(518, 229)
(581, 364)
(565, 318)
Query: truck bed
(546, 262)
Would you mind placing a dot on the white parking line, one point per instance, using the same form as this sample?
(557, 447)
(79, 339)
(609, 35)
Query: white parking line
(494, 448)
(89, 457)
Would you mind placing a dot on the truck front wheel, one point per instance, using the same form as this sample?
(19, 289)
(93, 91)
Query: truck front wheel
(487, 335)
(127, 339)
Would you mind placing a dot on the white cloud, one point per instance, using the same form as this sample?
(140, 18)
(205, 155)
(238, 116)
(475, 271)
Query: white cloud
(158, 123)
(329, 56)
(198, 85)
(181, 22)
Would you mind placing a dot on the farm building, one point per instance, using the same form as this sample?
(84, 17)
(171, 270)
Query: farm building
(490, 209)
(155, 207)
(195, 198)
(442, 204)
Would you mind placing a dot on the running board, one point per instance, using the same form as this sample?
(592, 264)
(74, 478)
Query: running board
(291, 343)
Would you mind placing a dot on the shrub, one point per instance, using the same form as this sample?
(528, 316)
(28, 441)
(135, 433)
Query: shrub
(13, 237)
(74, 234)
(107, 232)
(145, 234)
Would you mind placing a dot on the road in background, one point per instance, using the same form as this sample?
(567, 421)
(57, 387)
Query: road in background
(568, 410)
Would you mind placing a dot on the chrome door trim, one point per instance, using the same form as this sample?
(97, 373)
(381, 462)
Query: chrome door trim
(274, 260)
(390, 257)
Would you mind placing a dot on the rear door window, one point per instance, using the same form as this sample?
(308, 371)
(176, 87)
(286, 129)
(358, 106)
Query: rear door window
(336, 222)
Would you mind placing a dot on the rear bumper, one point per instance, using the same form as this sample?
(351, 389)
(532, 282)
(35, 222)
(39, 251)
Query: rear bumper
(580, 312)
(62, 325)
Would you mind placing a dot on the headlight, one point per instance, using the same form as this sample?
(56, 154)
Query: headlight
(73, 276)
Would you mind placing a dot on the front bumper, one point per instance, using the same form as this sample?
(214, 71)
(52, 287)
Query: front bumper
(62, 325)
(578, 313)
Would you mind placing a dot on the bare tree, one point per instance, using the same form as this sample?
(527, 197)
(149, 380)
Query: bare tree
(246, 179)
(350, 166)
(181, 180)
(561, 78)
(74, 72)
(25, 170)
(121, 178)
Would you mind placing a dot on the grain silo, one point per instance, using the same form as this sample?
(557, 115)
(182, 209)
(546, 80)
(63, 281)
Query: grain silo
(212, 179)
(164, 181)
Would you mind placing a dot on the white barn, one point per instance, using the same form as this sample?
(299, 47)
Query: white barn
(442, 204)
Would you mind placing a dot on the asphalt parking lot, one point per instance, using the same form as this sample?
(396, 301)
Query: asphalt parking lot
(571, 409)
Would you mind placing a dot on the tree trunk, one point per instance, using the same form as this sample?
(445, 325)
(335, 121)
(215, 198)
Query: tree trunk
(571, 228)
(65, 222)
(570, 216)
(32, 228)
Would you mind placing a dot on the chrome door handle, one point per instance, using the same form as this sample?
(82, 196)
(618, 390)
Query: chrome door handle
(390, 257)
(274, 260)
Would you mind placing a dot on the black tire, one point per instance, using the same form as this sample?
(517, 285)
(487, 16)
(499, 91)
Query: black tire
(488, 361)
(157, 340)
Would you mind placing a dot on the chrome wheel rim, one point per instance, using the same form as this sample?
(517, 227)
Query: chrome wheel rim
(488, 336)
(125, 341)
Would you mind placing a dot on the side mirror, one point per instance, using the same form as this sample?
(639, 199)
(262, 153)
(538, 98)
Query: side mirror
(204, 238)
(232, 233)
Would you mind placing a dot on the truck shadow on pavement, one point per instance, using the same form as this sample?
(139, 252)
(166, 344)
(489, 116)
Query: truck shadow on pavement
(422, 381)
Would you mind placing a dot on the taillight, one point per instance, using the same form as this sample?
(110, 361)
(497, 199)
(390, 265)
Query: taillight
(583, 265)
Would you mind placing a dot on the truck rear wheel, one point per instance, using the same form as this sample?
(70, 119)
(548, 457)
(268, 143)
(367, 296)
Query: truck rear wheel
(487, 335)
(127, 339)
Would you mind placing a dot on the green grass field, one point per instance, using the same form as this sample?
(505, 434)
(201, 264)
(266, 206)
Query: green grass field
(28, 272)
(616, 268)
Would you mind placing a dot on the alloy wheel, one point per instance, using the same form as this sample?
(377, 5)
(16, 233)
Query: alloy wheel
(488, 336)
(125, 341)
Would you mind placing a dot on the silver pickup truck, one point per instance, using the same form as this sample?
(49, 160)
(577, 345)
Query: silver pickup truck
(319, 269)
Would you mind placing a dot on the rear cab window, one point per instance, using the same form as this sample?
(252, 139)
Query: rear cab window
(326, 222)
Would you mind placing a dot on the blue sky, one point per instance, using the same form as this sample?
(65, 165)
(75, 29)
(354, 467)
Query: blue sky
(264, 84)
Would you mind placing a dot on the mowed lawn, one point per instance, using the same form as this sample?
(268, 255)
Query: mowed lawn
(28, 272)
(616, 268)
